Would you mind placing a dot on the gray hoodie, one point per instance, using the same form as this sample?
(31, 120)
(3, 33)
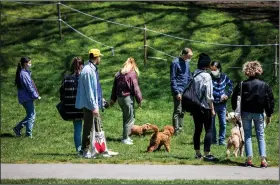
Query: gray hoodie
(204, 87)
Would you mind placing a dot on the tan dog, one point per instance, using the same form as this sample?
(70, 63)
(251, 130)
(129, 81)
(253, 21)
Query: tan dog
(236, 139)
(161, 138)
(140, 129)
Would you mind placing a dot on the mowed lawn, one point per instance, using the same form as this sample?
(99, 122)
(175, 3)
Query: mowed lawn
(51, 58)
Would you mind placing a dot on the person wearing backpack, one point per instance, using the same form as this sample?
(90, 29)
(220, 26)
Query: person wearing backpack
(256, 98)
(179, 77)
(202, 116)
(222, 89)
(68, 91)
(125, 89)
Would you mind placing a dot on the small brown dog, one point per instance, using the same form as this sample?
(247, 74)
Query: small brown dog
(161, 138)
(140, 129)
(236, 139)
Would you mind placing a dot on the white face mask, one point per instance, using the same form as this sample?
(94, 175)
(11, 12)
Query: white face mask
(216, 73)
(28, 66)
(188, 60)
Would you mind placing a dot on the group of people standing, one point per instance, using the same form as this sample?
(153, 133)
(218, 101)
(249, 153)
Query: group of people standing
(214, 88)
(82, 98)
(81, 93)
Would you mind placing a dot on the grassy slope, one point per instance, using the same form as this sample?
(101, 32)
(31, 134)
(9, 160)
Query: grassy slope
(51, 58)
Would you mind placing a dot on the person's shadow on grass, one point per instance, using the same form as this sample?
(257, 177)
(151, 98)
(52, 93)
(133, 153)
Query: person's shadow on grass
(7, 135)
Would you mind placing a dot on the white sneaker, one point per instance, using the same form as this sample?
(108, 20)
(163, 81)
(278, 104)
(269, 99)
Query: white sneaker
(87, 155)
(106, 155)
(127, 142)
(110, 152)
(130, 139)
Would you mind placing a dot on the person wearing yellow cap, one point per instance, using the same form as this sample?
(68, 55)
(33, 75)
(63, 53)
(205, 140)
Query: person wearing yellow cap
(89, 98)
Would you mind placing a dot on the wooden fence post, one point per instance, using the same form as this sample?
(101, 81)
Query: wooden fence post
(275, 61)
(145, 46)
(59, 19)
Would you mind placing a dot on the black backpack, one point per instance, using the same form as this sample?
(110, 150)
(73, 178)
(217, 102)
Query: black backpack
(190, 100)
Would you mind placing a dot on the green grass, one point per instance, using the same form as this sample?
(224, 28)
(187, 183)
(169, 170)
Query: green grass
(114, 181)
(53, 137)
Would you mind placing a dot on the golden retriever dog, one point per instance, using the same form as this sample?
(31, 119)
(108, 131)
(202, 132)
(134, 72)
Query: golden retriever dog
(161, 138)
(140, 129)
(236, 139)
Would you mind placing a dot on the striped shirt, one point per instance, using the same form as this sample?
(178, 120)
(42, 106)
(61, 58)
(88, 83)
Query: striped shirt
(221, 86)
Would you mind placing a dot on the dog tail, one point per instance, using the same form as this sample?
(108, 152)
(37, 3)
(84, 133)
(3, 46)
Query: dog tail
(155, 128)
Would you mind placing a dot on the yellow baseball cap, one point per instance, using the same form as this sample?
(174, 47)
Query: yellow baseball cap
(95, 52)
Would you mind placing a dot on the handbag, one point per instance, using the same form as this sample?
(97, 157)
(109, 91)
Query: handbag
(238, 107)
(61, 110)
(98, 143)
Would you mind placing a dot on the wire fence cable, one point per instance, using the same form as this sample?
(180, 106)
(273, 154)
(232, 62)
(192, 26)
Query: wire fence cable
(85, 35)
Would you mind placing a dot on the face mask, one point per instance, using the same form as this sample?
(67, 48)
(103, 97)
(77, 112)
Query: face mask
(28, 66)
(216, 73)
(188, 60)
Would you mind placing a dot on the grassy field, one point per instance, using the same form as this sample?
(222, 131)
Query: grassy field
(51, 57)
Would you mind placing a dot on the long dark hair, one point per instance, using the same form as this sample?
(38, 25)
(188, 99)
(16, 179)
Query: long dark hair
(217, 65)
(20, 65)
(76, 65)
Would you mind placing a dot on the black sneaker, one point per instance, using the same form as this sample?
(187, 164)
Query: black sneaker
(17, 132)
(210, 158)
(198, 156)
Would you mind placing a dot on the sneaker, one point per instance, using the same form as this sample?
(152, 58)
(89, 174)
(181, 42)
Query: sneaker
(130, 139)
(248, 163)
(222, 144)
(264, 164)
(214, 143)
(17, 132)
(106, 155)
(127, 142)
(87, 155)
(80, 153)
(210, 158)
(110, 152)
(29, 137)
(198, 156)
(176, 133)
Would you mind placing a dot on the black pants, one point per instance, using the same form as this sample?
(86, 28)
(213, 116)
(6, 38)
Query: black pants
(202, 118)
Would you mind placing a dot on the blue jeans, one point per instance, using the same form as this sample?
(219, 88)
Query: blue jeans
(78, 125)
(258, 119)
(220, 110)
(29, 120)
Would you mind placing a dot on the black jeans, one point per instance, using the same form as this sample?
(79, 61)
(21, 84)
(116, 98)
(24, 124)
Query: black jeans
(202, 117)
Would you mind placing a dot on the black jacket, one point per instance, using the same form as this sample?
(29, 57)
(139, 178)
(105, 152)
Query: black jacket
(256, 97)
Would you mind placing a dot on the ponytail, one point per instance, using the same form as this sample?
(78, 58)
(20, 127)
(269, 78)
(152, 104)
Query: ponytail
(20, 65)
(17, 79)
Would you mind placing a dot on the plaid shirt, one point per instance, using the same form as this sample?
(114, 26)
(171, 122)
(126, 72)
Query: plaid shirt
(126, 85)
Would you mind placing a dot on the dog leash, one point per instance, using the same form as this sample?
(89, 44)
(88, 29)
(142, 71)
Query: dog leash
(239, 125)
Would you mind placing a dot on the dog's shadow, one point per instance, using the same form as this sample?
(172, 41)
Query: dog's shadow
(8, 135)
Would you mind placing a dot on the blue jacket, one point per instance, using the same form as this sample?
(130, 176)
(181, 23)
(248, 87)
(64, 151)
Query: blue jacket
(219, 87)
(89, 93)
(28, 92)
(179, 75)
